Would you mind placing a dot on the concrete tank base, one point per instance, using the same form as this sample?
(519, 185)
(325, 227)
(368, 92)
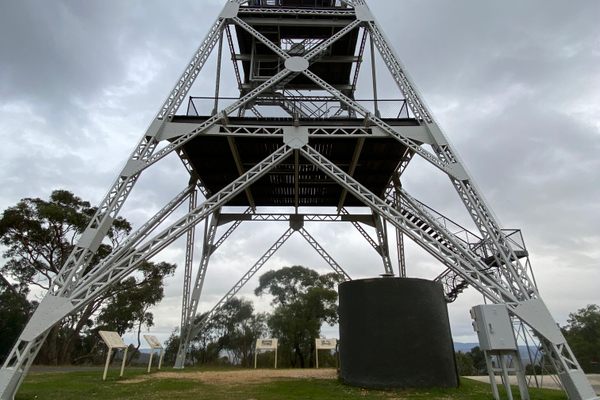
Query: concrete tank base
(394, 333)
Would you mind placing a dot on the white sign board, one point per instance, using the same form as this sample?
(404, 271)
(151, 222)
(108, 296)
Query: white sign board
(323, 344)
(326, 344)
(153, 342)
(112, 340)
(266, 344)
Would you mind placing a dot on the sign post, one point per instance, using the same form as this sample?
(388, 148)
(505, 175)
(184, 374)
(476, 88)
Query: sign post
(154, 344)
(267, 345)
(113, 341)
(323, 344)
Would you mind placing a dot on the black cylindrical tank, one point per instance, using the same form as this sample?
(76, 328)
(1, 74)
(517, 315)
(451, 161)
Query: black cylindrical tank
(395, 333)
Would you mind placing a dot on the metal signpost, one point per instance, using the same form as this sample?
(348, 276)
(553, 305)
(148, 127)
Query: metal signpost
(113, 341)
(154, 344)
(326, 149)
(265, 345)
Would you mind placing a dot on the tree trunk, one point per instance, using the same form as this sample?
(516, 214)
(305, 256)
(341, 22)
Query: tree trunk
(299, 355)
(48, 353)
(66, 352)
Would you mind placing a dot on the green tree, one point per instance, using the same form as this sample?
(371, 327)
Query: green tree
(14, 312)
(583, 334)
(38, 236)
(303, 301)
(171, 346)
(478, 358)
(238, 328)
(465, 365)
(128, 308)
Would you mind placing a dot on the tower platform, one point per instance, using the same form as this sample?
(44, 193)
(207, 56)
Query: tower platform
(370, 158)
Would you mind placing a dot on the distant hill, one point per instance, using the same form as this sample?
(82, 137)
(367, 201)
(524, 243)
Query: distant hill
(464, 347)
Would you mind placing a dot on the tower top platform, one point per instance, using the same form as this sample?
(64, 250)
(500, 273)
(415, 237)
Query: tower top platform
(296, 34)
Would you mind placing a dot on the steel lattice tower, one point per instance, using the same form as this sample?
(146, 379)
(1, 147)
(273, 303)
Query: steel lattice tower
(302, 57)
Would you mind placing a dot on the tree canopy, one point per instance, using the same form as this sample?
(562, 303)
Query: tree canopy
(303, 301)
(229, 336)
(38, 235)
(583, 335)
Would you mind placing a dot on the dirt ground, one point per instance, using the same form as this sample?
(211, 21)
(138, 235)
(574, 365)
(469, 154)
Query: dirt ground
(267, 375)
(242, 376)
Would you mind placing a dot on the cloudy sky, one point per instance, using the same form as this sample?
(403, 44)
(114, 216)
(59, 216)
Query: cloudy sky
(515, 85)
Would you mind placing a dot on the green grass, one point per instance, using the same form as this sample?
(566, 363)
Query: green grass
(88, 385)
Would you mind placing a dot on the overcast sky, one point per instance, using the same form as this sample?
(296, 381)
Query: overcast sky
(515, 85)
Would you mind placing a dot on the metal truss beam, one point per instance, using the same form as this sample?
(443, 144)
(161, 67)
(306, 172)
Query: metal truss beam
(352, 169)
(110, 206)
(400, 240)
(450, 169)
(328, 259)
(494, 265)
(236, 68)
(377, 247)
(54, 308)
(514, 272)
(297, 11)
(189, 263)
(208, 249)
(384, 250)
(344, 216)
(240, 168)
(199, 325)
(422, 227)
(143, 232)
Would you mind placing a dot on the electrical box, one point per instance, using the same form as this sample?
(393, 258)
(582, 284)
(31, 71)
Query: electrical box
(494, 327)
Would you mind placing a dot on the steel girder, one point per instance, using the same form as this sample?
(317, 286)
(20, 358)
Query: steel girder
(189, 261)
(323, 253)
(69, 291)
(513, 277)
(425, 230)
(208, 248)
(197, 326)
(53, 308)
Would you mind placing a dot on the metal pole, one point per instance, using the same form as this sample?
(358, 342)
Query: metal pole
(374, 74)
(218, 77)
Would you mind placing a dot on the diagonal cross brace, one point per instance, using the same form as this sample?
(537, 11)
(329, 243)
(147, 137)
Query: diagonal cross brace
(53, 308)
(323, 253)
(443, 246)
(197, 326)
